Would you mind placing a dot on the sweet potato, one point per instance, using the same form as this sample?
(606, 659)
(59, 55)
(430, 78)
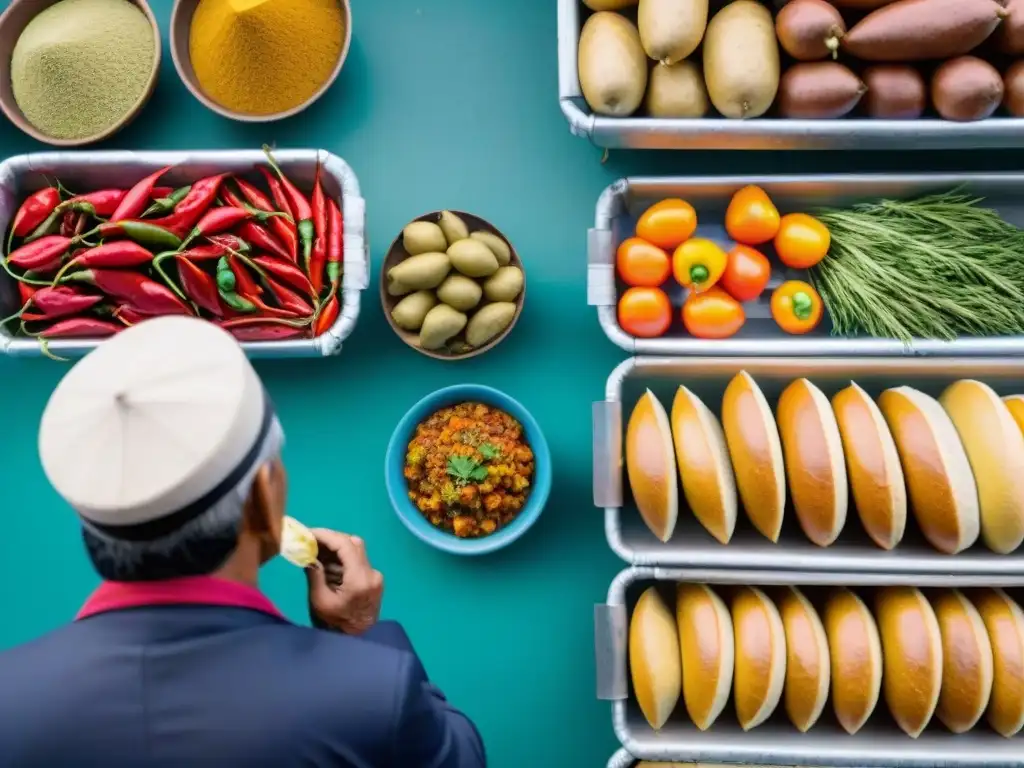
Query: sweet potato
(819, 91)
(895, 92)
(967, 88)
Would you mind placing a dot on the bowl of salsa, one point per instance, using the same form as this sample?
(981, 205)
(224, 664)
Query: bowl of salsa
(468, 470)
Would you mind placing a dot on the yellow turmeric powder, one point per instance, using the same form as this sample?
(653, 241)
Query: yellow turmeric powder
(264, 56)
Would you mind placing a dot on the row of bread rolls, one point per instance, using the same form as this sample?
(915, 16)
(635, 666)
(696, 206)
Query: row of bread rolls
(958, 459)
(955, 655)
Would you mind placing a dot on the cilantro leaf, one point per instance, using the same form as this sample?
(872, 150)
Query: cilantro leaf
(489, 451)
(479, 474)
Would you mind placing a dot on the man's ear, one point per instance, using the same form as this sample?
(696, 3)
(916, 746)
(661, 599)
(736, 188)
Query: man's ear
(261, 514)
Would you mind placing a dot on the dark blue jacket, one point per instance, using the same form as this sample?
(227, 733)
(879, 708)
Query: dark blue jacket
(179, 686)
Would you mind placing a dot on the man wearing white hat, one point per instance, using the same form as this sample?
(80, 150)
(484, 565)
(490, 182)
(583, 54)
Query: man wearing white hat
(165, 443)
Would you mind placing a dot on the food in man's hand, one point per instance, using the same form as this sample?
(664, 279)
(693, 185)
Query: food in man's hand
(298, 544)
(815, 466)
(995, 450)
(677, 90)
(654, 661)
(747, 273)
(802, 241)
(966, 88)
(752, 218)
(796, 307)
(469, 469)
(809, 30)
(873, 464)
(640, 263)
(895, 92)
(942, 491)
(698, 264)
(650, 465)
(645, 312)
(967, 666)
(741, 60)
(1004, 622)
(667, 223)
(760, 656)
(912, 654)
(713, 314)
(756, 452)
(855, 650)
(808, 667)
(612, 65)
(704, 467)
(819, 90)
(707, 651)
(670, 30)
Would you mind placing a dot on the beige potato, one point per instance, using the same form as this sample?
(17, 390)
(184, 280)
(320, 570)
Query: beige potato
(504, 285)
(677, 90)
(460, 292)
(472, 258)
(670, 30)
(408, 314)
(500, 248)
(489, 322)
(423, 237)
(417, 273)
(441, 324)
(612, 65)
(741, 60)
(453, 227)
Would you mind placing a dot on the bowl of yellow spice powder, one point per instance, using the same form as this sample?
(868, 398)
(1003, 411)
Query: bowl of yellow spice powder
(73, 72)
(259, 60)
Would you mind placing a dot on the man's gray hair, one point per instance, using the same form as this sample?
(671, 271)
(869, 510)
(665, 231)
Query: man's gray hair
(197, 548)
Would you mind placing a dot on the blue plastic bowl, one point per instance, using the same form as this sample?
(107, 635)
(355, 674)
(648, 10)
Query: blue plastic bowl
(413, 519)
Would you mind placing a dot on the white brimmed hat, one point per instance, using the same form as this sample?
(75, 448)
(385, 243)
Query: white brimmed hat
(154, 427)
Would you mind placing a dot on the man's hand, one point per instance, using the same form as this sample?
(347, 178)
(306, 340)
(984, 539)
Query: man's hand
(353, 606)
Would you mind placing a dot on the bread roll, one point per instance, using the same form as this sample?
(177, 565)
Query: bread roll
(807, 662)
(855, 652)
(651, 467)
(873, 466)
(966, 662)
(704, 468)
(995, 450)
(1004, 622)
(756, 453)
(815, 467)
(912, 654)
(654, 658)
(706, 649)
(760, 656)
(943, 495)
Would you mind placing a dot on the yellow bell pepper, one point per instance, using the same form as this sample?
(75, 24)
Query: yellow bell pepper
(698, 264)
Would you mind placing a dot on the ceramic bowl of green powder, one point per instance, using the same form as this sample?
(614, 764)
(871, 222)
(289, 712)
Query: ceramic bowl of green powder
(74, 72)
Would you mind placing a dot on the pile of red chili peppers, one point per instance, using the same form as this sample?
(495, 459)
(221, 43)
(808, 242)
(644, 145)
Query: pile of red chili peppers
(265, 268)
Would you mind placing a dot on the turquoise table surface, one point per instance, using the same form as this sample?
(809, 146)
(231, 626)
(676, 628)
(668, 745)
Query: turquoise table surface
(447, 103)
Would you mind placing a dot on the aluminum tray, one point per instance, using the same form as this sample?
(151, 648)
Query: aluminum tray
(691, 546)
(758, 133)
(621, 203)
(23, 174)
(777, 742)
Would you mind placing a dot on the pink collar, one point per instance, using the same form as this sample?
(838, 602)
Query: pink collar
(192, 590)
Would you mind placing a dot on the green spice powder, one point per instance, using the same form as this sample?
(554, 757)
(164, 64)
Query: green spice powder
(79, 66)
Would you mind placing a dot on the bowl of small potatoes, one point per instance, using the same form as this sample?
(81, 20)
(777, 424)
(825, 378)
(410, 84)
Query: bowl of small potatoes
(452, 286)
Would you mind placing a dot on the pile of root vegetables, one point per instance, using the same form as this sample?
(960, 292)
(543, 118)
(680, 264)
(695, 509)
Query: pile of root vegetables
(804, 59)
(264, 264)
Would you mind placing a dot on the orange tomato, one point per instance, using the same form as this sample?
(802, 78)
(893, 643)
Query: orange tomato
(746, 273)
(802, 241)
(641, 263)
(751, 218)
(667, 223)
(645, 312)
(796, 307)
(713, 314)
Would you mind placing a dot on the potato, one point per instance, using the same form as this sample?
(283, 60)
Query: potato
(408, 314)
(498, 246)
(489, 322)
(612, 65)
(472, 258)
(454, 228)
(741, 60)
(670, 30)
(423, 237)
(441, 324)
(419, 272)
(504, 285)
(460, 292)
(677, 90)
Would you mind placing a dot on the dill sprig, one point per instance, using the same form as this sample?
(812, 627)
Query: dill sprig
(936, 267)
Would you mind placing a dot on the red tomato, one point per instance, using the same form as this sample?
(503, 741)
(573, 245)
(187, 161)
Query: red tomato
(746, 273)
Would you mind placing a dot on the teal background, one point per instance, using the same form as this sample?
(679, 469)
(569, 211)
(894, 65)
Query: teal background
(442, 104)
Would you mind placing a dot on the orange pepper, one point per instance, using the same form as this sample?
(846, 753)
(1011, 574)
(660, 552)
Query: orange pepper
(713, 314)
(802, 241)
(796, 307)
(641, 263)
(645, 312)
(699, 264)
(667, 223)
(751, 218)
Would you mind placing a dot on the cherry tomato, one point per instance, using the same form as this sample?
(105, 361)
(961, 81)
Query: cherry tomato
(667, 223)
(796, 307)
(751, 218)
(645, 312)
(746, 273)
(642, 264)
(802, 241)
(713, 314)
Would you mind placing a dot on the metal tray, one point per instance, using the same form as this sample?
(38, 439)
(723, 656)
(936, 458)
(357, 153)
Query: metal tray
(692, 547)
(23, 174)
(776, 742)
(621, 204)
(758, 133)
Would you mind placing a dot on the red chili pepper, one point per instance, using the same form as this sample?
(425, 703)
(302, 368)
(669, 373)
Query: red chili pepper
(287, 299)
(102, 203)
(281, 201)
(230, 242)
(147, 295)
(148, 233)
(68, 222)
(317, 260)
(198, 286)
(260, 238)
(302, 213)
(265, 329)
(79, 328)
(61, 301)
(119, 253)
(167, 202)
(218, 220)
(286, 272)
(40, 253)
(327, 317)
(135, 201)
(335, 243)
(283, 227)
(34, 211)
(26, 292)
(129, 315)
(159, 193)
(246, 283)
(198, 200)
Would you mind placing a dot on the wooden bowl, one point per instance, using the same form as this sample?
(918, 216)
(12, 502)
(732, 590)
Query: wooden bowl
(396, 254)
(12, 23)
(181, 24)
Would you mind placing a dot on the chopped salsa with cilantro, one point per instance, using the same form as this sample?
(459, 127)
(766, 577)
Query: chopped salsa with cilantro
(469, 469)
